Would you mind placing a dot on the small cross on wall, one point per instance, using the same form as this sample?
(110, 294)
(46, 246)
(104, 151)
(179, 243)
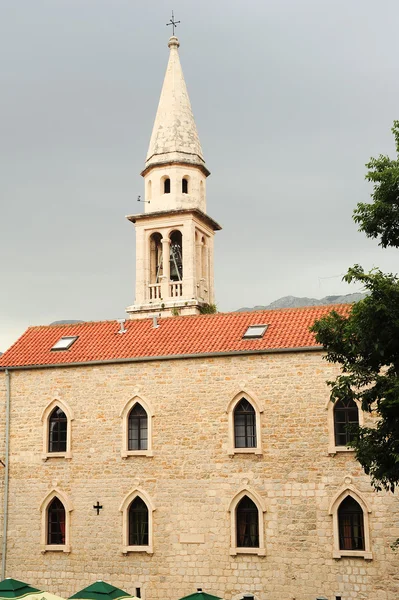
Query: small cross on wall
(97, 507)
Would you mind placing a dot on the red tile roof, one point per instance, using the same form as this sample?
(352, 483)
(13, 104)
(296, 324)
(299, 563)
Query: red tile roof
(175, 336)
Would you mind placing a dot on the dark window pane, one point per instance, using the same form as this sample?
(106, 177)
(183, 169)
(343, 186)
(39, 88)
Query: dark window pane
(184, 186)
(137, 428)
(346, 414)
(57, 441)
(138, 523)
(56, 523)
(350, 525)
(247, 524)
(166, 186)
(244, 425)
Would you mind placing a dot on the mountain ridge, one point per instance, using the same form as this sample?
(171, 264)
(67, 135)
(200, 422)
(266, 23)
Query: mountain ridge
(297, 302)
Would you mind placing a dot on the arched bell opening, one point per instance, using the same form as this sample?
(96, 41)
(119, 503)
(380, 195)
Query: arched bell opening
(156, 267)
(203, 257)
(176, 256)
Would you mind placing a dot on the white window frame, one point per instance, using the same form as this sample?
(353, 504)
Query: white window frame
(45, 547)
(258, 408)
(124, 414)
(260, 505)
(350, 490)
(332, 448)
(124, 509)
(45, 418)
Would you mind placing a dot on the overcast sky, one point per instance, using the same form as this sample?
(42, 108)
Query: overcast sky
(291, 98)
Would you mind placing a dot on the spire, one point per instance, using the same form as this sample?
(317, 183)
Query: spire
(174, 136)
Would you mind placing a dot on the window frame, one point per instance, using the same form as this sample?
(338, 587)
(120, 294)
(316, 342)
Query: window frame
(139, 420)
(45, 418)
(260, 505)
(258, 408)
(44, 506)
(124, 509)
(129, 510)
(249, 425)
(366, 554)
(332, 447)
(125, 452)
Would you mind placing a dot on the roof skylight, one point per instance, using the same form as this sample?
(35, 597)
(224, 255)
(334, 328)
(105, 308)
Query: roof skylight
(254, 332)
(65, 343)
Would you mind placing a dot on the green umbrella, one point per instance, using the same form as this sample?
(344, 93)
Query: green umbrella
(100, 591)
(200, 595)
(12, 588)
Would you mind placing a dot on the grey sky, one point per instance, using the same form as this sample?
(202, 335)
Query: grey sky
(291, 98)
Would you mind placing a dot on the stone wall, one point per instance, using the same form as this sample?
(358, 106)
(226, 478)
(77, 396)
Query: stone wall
(191, 479)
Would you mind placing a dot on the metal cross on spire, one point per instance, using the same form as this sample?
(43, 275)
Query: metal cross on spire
(173, 23)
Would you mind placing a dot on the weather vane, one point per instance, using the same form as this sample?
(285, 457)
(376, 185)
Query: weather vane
(173, 23)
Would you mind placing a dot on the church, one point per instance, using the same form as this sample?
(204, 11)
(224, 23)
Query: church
(181, 448)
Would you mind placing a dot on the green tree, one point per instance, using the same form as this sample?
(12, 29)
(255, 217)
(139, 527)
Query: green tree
(380, 218)
(365, 342)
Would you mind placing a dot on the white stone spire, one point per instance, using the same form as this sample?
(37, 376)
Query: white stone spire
(174, 136)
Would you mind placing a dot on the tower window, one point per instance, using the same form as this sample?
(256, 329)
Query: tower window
(184, 186)
(156, 266)
(166, 186)
(176, 256)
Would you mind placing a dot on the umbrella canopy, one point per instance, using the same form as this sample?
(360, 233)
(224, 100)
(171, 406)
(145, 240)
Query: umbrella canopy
(43, 596)
(101, 591)
(12, 588)
(200, 595)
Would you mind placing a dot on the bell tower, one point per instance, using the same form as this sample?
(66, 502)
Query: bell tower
(174, 235)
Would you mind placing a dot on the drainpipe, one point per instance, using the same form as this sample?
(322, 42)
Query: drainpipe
(6, 476)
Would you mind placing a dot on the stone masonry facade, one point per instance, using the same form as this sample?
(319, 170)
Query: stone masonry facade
(191, 480)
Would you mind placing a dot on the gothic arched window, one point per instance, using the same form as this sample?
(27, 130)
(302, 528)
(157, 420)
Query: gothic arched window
(244, 425)
(55, 523)
(57, 431)
(247, 524)
(138, 523)
(138, 428)
(346, 414)
(166, 186)
(184, 186)
(350, 525)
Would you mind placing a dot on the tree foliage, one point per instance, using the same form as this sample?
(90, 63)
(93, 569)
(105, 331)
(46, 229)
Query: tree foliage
(380, 219)
(365, 342)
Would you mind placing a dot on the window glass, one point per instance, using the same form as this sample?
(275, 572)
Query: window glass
(346, 414)
(138, 523)
(244, 425)
(247, 524)
(57, 438)
(138, 428)
(351, 525)
(56, 523)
